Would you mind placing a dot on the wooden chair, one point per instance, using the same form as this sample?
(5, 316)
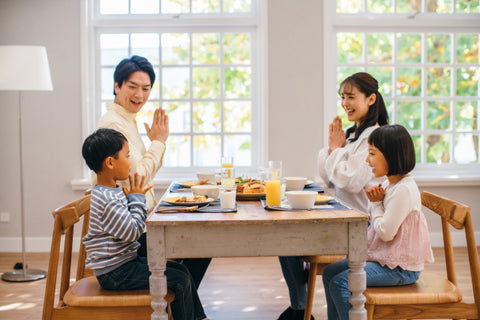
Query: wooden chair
(317, 264)
(433, 296)
(85, 299)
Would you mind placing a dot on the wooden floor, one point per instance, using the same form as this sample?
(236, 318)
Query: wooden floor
(233, 288)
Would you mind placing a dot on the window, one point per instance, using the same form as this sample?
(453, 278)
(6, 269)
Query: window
(425, 56)
(205, 56)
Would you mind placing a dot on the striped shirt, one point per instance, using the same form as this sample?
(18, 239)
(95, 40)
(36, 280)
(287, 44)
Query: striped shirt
(116, 223)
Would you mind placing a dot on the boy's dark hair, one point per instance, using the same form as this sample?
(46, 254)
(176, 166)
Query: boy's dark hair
(130, 65)
(377, 113)
(397, 147)
(101, 144)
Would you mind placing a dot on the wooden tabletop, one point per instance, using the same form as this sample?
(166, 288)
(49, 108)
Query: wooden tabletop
(252, 212)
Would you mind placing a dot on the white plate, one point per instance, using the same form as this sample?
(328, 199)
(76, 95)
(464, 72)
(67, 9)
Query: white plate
(188, 204)
(321, 199)
(187, 184)
(250, 196)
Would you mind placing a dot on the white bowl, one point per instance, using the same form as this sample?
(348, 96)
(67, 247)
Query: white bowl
(301, 199)
(295, 183)
(209, 176)
(208, 190)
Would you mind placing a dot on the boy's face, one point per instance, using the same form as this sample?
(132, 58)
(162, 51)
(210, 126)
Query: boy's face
(122, 163)
(134, 92)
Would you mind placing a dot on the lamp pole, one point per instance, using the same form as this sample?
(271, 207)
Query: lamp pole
(23, 68)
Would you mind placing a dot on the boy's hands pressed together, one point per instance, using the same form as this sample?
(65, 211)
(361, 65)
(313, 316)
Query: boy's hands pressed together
(136, 185)
(376, 193)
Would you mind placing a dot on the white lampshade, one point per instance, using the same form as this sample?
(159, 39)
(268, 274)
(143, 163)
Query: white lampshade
(24, 68)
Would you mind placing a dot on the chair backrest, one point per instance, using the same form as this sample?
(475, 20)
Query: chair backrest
(65, 219)
(458, 215)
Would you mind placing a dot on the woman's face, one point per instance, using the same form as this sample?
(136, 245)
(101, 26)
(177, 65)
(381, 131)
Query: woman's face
(134, 92)
(355, 103)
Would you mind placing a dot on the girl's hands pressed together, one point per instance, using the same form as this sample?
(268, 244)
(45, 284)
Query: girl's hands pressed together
(336, 135)
(376, 193)
(136, 185)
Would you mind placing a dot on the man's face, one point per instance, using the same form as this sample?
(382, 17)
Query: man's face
(134, 92)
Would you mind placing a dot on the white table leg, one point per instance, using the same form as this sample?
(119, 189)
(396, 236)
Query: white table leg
(157, 264)
(357, 278)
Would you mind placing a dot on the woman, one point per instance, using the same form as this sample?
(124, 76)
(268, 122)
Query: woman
(342, 166)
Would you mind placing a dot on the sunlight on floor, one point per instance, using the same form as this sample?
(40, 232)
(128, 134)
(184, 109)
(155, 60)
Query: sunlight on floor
(18, 306)
(249, 309)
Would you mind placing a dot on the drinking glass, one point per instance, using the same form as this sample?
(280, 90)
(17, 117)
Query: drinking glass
(228, 196)
(275, 169)
(227, 163)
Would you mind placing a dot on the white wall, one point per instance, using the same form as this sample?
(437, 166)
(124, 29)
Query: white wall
(52, 120)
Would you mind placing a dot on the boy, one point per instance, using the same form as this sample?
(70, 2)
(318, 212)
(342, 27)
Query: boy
(117, 220)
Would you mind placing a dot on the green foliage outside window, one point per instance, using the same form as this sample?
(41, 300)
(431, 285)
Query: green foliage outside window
(422, 85)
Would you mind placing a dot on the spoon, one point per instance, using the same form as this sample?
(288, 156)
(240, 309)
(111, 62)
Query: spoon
(192, 208)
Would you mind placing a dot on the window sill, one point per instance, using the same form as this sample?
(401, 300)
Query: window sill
(84, 184)
(450, 180)
(422, 179)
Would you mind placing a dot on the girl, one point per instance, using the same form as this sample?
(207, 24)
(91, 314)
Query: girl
(398, 238)
(342, 166)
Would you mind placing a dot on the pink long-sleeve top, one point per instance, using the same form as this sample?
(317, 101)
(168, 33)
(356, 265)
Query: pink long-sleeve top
(398, 233)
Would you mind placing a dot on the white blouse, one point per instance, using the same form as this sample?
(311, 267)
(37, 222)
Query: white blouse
(347, 171)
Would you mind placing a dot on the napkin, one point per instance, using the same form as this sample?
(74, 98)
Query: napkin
(330, 205)
(313, 187)
(175, 187)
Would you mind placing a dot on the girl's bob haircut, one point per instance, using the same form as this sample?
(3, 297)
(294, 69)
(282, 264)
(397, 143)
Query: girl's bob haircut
(396, 145)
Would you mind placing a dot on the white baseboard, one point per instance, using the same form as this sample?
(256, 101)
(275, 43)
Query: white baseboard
(33, 244)
(40, 244)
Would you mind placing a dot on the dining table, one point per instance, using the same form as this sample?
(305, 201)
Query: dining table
(253, 231)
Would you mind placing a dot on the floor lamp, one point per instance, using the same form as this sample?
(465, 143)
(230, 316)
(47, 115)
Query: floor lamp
(24, 68)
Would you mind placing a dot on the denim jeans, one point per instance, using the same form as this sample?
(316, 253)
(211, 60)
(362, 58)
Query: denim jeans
(296, 277)
(196, 266)
(335, 282)
(135, 275)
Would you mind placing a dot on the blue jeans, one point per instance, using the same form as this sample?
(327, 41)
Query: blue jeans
(296, 277)
(197, 267)
(335, 282)
(135, 275)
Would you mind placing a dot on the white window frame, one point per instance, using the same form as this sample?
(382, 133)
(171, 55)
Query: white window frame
(424, 174)
(91, 95)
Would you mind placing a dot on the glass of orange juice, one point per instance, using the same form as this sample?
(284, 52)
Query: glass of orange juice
(227, 163)
(273, 196)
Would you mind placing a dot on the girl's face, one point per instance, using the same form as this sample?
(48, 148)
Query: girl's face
(355, 103)
(377, 161)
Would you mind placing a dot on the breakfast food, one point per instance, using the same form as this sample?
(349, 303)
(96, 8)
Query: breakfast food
(254, 187)
(194, 199)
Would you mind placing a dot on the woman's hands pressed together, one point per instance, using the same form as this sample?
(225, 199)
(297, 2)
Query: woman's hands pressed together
(136, 185)
(336, 135)
(160, 128)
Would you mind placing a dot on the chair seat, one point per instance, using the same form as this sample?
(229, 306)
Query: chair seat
(328, 258)
(87, 293)
(429, 289)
